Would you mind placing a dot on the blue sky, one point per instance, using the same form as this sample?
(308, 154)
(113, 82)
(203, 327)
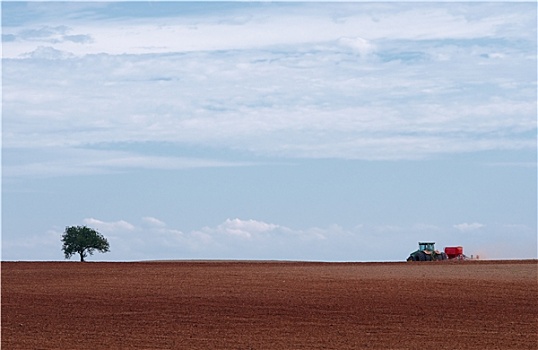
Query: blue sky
(257, 130)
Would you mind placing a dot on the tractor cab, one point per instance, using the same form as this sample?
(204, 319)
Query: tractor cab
(430, 246)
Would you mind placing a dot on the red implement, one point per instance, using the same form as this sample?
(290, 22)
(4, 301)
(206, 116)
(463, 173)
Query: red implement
(454, 252)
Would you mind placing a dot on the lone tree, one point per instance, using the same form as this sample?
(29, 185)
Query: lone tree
(83, 240)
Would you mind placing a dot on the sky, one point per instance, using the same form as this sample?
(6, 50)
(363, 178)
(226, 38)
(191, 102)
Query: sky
(318, 131)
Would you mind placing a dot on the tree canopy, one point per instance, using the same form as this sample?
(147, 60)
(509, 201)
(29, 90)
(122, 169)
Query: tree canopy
(83, 240)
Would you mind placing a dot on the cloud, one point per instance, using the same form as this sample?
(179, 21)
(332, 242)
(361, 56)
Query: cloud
(362, 46)
(468, 227)
(277, 108)
(120, 225)
(154, 239)
(8, 37)
(50, 35)
(243, 239)
(46, 33)
(263, 25)
(78, 38)
(59, 162)
(151, 221)
(245, 229)
(272, 84)
(232, 239)
(48, 53)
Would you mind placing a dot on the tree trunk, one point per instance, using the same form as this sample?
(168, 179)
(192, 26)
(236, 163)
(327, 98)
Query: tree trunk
(81, 257)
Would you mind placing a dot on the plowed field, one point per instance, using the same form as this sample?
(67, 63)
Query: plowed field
(270, 305)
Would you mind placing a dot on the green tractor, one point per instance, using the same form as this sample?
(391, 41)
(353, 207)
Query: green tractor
(426, 252)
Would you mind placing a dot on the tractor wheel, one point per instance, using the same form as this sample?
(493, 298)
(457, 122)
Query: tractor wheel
(421, 256)
(443, 256)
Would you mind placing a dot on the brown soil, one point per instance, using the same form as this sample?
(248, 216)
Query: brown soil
(270, 305)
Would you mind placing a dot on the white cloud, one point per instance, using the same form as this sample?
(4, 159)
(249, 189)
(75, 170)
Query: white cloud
(265, 25)
(245, 229)
(362, 46)
(276, 83)
(48, 53)
(120, 225)
(226, 97)
(151, 221)
(247, 239)
(468, 227)
(153, 239)
(58, 161)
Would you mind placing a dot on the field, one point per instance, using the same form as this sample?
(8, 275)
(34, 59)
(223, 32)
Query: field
(270, 305)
